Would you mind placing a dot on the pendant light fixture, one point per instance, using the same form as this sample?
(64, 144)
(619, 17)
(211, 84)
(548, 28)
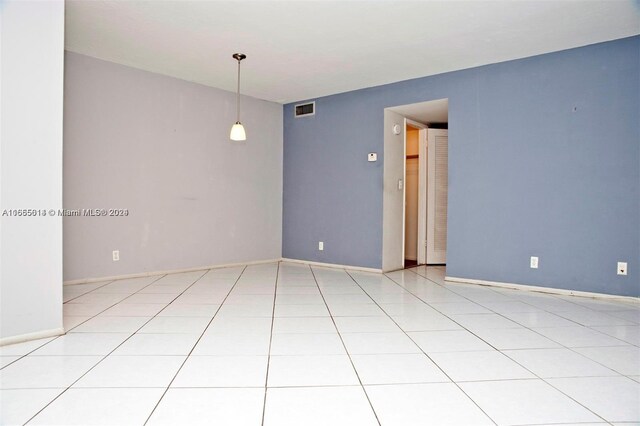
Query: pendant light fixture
(237, 130)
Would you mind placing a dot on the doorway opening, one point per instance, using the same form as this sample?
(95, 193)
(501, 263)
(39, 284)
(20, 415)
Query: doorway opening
(415, 185)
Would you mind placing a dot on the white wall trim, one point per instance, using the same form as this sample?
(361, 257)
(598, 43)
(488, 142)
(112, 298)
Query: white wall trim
(550, 290)
(169, 271)
(332, 265)
(31, 336)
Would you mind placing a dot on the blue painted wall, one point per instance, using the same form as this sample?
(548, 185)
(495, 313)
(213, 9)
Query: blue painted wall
(544, 160)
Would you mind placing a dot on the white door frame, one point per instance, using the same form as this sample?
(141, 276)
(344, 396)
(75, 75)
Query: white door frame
(422, 190)
(393, 191)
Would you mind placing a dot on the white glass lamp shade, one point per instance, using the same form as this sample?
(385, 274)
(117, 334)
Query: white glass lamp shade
(237, 132)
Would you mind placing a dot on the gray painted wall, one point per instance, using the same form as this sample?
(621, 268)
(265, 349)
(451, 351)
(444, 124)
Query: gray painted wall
(544, 159)
(160, 147)
(32, 50)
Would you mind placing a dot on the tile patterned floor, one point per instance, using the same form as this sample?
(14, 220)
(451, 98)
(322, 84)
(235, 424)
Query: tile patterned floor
(285, 344)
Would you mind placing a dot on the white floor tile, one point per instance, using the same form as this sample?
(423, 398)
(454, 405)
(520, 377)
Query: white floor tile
(157, 298)
(282, 291)
(96, 298)
(299, 299)
(483, 321)
(100, 407)
(189, 325)
(357, 310)
(626, 333)
(199, 299)
(18, 349)
(425, 322)
(515, 338)
(69, 322)
(476, 366)
(577, 337)
(347, 299)
(561, 362)
(617, 399)
(240, 325)
(158, 344)
(448, 341)
(303, 325)
(408, 309)
(83, 344)
(318, 406)
(250, 299)
(539, 319)
(187, 310)
(222, 371)
(460, 308)
(133, 310)
(233, 344)
(174, 289)
(6, 360)
(514, 306)
(397, 368)
(379, 343)
(311, 370)
(301, 311)
(366, 325)
(623, 359)
(520, 402)
(590, 317)
(111, 325)
(311, 378)
(631, 315)
(132, 371)
(425, 404)
(46, 371)
(84, 309)
(232, 407)
(17, 406)
(248, 310)
(307, 344)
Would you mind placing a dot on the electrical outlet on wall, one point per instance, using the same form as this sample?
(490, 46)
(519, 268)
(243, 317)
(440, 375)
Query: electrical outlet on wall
(533, 262)
(622, 268)
(320, 245)
(116, 255)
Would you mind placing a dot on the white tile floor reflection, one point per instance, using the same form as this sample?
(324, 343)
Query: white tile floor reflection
(286, 344)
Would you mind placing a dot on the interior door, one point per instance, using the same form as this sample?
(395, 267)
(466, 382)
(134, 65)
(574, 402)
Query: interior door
(393, 192)
(437, 191)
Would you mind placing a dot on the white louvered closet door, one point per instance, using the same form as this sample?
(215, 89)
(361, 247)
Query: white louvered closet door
(437, 190)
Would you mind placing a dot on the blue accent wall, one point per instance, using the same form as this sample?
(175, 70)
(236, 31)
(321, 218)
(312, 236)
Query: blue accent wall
(544, 160)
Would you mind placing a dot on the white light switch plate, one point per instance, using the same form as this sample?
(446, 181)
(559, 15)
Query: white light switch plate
(534, 262)
(320, 245)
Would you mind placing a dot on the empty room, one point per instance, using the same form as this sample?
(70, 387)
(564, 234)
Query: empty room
(251, 212)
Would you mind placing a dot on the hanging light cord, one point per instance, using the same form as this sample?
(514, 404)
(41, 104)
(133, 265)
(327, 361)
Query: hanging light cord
(238, 94)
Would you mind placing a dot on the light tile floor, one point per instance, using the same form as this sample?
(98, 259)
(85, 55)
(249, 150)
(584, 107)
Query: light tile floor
(285, 344)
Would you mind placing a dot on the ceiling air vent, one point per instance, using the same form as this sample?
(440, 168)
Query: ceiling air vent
(304, 110)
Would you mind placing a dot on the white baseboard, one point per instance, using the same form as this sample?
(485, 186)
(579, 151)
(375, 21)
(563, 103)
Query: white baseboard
(543, 289)
(170, 271)
(332, 265)
(31, 336)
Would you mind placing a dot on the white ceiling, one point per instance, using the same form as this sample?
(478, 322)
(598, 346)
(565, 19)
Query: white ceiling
(304, 49)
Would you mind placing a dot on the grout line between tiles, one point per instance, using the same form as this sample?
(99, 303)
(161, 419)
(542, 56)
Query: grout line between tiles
(418, 346)
(499, 350)
(114, 349)
(345, 347)
(266, 379)
(197, 341)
